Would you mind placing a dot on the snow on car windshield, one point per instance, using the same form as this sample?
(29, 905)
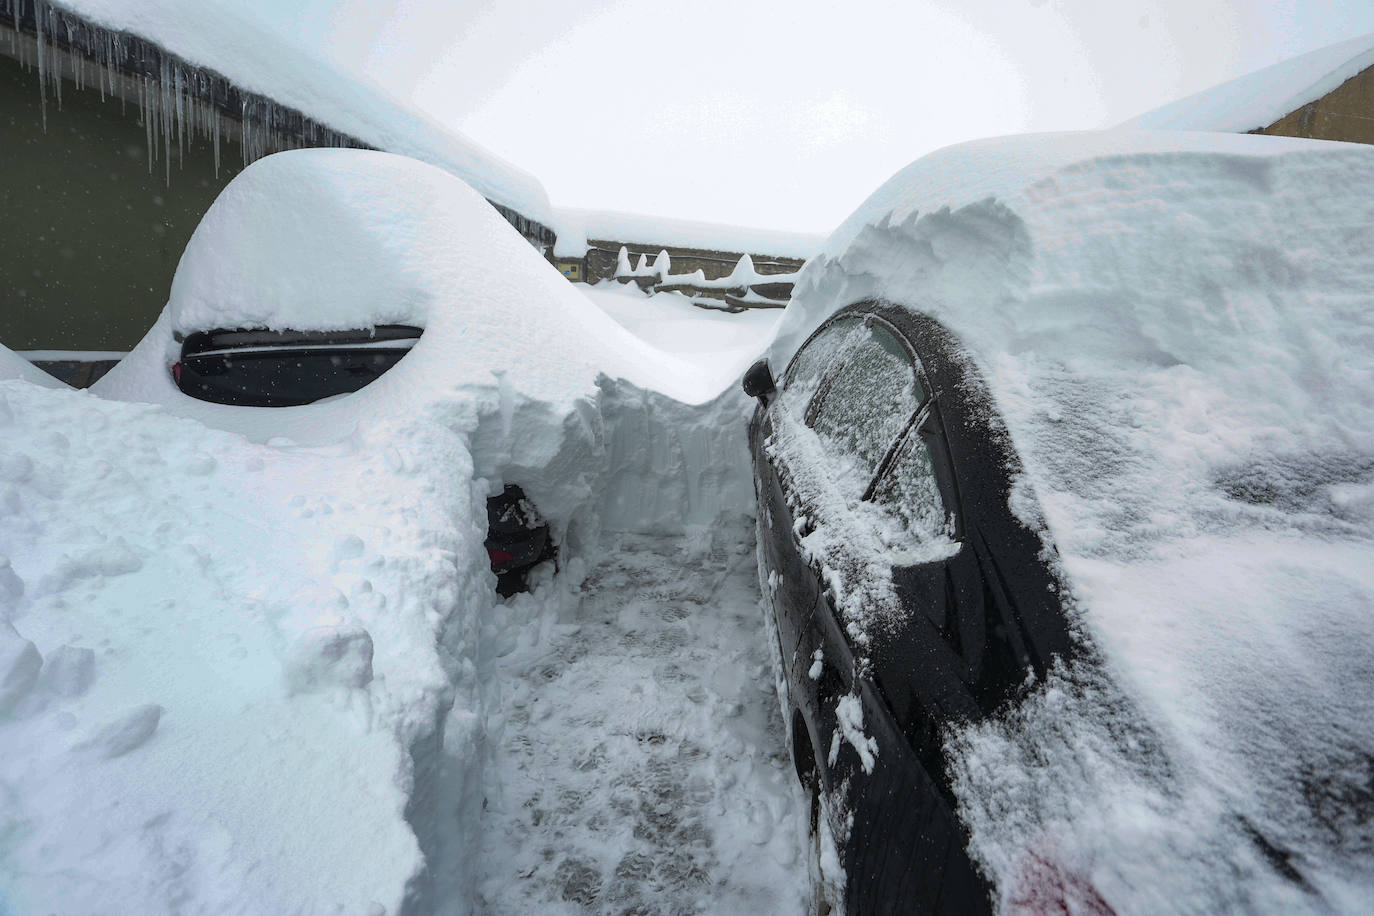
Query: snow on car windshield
(1176, 329)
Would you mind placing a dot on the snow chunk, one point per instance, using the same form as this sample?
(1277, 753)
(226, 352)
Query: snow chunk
(19, 667)
(127, 733)
(69, 671)
(330, 656)
(849, 713)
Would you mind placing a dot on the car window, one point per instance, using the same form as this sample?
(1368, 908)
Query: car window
(814, 360)
(866, 405)
(909, 497)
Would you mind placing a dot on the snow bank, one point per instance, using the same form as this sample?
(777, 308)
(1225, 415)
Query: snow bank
(1261, 98)
(1177, 331)
(14, 366)
(574, 227)
(240, 649)
(260, 50)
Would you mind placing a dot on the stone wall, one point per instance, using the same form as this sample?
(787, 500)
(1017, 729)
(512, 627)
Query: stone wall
(1346, 113)
(602, 255)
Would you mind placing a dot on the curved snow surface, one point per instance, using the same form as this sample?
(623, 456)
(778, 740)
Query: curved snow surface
(253, 660)
(1178, 332)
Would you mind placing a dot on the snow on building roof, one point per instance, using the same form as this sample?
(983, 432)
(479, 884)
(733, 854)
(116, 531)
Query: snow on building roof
(575, 227)
(260, 54)
(1263, 97)
(1176, 329)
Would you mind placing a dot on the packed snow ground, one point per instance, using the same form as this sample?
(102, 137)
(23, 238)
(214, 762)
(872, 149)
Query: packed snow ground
(638, 755)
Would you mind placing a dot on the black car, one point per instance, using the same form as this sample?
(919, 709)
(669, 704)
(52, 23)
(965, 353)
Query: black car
(255, 367)
(881, 422)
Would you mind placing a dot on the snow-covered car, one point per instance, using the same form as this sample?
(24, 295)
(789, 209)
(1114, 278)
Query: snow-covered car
(1066, 520)
(246, 654)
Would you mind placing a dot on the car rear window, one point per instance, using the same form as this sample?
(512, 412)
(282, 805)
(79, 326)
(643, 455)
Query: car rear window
(261, 368)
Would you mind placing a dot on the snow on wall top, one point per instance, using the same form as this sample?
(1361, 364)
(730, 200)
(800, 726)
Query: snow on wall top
(1261, 98)
(263, 57)
(575, 227)
(1177, 331)
(14, 366)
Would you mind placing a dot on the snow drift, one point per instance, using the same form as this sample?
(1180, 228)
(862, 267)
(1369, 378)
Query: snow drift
(1177, 331)
(239, 647)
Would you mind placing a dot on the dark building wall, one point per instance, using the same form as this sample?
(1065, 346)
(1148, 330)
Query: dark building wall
(89, 237)
(1346, 113)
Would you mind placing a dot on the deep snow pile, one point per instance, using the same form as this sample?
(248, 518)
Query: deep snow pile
(240, 647)
(1259, 99)
(1177, 331)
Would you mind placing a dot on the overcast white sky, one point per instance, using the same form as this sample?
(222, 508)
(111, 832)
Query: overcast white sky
(787, 114)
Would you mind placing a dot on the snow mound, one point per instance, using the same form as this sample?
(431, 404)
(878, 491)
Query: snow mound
(242, 650)
(1177, 331)
(1261, 98)
(14, 366)
(338, 239)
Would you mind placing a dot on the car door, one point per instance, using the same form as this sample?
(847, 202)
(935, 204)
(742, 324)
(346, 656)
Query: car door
(860, 387)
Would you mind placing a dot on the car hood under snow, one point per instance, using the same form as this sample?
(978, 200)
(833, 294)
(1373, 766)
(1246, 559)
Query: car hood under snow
(1177, 329)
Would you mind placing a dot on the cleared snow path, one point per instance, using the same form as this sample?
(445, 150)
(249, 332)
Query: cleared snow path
(642, 766)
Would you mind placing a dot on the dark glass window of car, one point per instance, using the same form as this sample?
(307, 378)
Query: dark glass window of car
(909, 495)
(811, 364)
(866, 404)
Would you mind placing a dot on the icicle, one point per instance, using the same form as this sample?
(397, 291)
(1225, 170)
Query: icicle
(42, 70)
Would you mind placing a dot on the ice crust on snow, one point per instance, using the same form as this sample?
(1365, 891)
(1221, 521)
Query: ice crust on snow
(1259, 99)
(249, 655)
(1176, 330)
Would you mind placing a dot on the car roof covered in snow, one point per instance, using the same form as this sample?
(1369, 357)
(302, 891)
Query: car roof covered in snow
(258, 50)
(1177, 330)
(337, 239)
(1259, 99)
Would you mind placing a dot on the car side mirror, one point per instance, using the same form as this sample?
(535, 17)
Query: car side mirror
(758, 381)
